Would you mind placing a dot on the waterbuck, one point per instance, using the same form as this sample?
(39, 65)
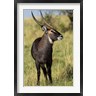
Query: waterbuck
(42, 49)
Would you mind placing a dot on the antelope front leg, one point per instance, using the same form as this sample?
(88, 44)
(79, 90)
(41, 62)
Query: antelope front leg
(44, 72)
(49, 74)
(38, 73)
(49, 71)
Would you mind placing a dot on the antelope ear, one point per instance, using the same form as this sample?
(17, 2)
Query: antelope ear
(44, 28)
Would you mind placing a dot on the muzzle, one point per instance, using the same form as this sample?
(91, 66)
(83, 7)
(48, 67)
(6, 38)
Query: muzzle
(60, 37)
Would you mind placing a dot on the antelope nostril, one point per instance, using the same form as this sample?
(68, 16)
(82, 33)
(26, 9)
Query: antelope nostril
(61, 36)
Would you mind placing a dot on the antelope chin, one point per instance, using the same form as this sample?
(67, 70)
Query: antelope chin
(59, 38)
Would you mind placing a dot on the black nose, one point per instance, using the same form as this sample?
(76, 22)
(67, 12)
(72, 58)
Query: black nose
(61, 36)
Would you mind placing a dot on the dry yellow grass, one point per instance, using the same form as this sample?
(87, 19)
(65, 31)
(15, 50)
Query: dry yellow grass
(62, 67)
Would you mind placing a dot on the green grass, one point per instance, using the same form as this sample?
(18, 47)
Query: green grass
(62, 66)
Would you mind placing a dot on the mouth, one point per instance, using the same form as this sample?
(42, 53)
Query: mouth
(60, 37)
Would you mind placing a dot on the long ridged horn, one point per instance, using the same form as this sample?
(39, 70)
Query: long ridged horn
(45, 20)
(35, 19)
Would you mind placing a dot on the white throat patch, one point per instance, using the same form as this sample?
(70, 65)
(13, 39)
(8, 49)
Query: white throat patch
(50, 40)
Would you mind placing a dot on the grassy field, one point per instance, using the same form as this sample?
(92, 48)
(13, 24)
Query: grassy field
(62, 66)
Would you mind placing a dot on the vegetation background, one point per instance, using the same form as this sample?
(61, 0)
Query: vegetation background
(62, 66)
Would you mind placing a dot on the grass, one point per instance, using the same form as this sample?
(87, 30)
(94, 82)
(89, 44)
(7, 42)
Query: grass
(62, 66)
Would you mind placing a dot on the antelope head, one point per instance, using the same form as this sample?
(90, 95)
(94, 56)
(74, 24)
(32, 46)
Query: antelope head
(52, 33)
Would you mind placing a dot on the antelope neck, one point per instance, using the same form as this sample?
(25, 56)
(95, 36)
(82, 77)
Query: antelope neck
(46, 39)
(50, 40)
